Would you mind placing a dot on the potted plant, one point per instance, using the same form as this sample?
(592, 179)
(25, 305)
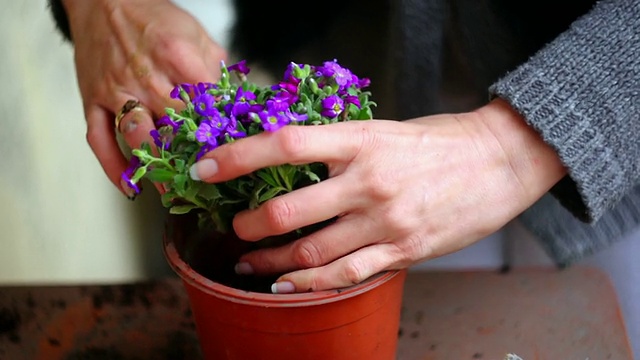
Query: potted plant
(236, 316)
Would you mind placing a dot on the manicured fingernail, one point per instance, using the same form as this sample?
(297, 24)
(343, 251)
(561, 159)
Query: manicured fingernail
(283, 287)
(203, 169)
(243, 268)
(131, 194)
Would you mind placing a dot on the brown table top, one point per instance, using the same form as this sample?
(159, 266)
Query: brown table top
(536, 314)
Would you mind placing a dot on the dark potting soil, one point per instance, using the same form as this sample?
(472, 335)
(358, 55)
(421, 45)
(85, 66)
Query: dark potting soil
(215, 259)
(214, 255)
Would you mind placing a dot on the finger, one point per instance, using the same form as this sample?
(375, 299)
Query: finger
(136, 120)
(135, 124)
(291, 211)
(346, 271)
(317, 249)
(290, 144)
(102, 140)
(155, 95)
(196, 65)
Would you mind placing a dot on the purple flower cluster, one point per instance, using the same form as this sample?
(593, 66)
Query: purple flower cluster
(217, 113)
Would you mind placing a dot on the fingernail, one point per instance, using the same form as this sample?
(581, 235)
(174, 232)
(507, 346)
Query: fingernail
(243, 268)
(283, 287)
(131, 194)
(130, 126)
(203, 169)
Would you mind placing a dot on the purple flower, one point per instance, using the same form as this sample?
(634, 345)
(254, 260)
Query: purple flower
(188, 88)
(161, 139)
(218, 123)
(363, 83)
(273, 120)
(243, 101)
(207, 133)
(166, 121)
(286, 86)
(202, 87)
(127, 174)
(232, 128)
(240, 67)
(342, 76)
(352, 99)
(332, 106)
(288, 74)
(203, 150)
(204, 105)
(165, 132)
(281, 101)
(292, 116)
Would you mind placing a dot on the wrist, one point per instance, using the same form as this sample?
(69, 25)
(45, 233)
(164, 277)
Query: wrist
(534, 164)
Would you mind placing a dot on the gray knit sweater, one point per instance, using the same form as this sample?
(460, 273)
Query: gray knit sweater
(580, 90)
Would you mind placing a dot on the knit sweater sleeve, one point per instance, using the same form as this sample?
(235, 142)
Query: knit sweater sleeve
(581, 92)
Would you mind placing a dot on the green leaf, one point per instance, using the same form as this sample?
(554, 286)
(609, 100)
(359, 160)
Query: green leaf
(255, 197)
(365, 114)
(180, 165)
(181, 209)
(269, 194)
(209, 192)
(146, 147)
(267, 177)
(167, 199)
(192, 190)
(285, 174)
(180, 181)
(160, 175)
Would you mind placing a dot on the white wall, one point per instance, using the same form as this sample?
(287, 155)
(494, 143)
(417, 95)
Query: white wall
(60, 219)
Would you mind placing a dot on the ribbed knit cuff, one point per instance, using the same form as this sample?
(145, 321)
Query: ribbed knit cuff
(567, 240)
(582, 94)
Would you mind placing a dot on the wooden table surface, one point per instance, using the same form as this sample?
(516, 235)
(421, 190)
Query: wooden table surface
(570, 314)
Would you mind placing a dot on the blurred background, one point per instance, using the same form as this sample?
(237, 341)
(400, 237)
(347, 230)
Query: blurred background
(61, 220)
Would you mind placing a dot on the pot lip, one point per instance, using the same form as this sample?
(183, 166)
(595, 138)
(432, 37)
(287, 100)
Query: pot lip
(193, 278)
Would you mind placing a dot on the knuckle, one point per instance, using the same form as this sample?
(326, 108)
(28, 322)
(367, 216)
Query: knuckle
(306, 254)
(218, 52)
(264, 263)
(315, 283)
(181, 51)
(379, 186)
(232, 158)
(398, 220)
(291, 141)
(92, 136)
(279, 214)
(400, 224)
(414, 248)
(354, 271)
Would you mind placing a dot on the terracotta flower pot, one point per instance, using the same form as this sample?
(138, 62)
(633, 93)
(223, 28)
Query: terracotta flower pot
(359, 322)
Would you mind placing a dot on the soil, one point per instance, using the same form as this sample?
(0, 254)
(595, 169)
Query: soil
(214, 255)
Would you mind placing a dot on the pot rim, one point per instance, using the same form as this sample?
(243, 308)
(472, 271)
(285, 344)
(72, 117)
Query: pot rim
(193, 278)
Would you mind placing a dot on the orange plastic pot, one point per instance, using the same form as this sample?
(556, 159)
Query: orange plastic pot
(359, 322)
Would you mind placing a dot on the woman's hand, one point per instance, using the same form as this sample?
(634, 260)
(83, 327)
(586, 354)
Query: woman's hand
(403, 192)
(134, 50)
